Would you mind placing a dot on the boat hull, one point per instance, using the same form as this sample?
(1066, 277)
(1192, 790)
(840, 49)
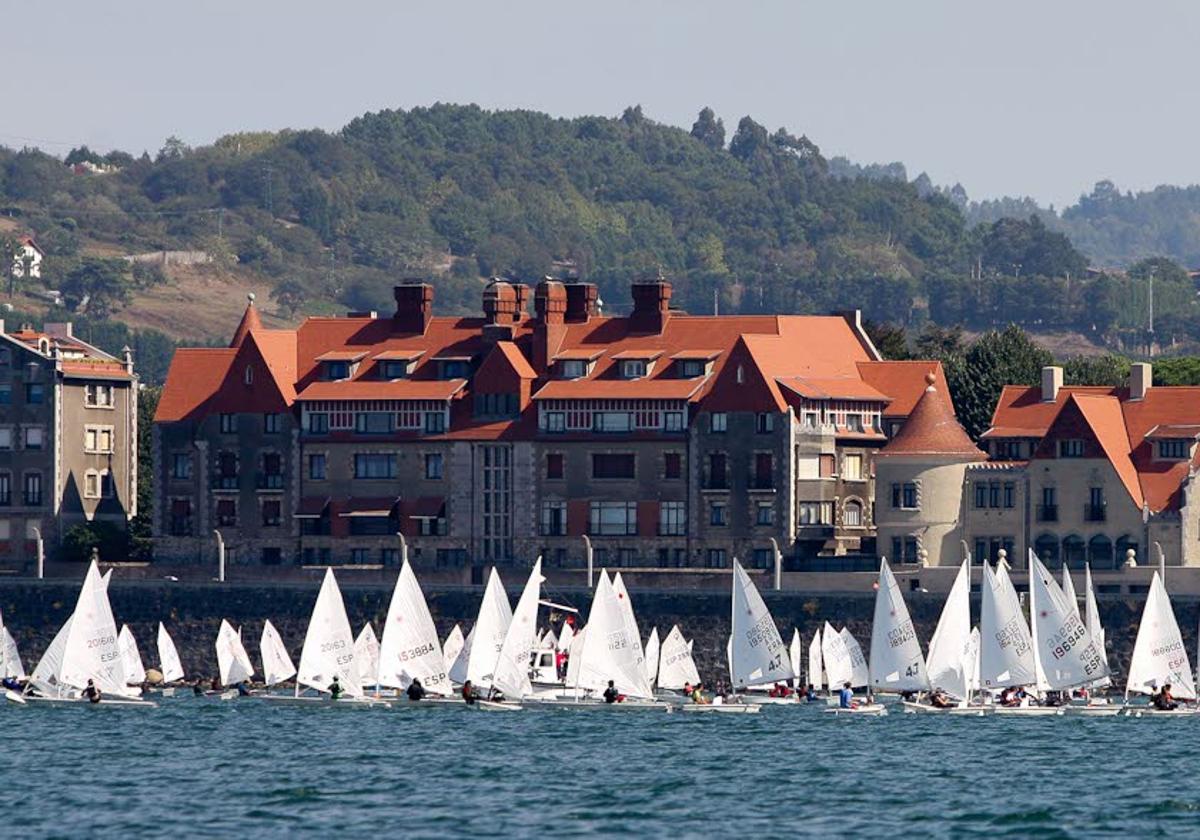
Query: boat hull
(723, 708)
(628, 705)
(912, 708)
(1028, 711)
(1099, 710)
(350, 702)
(1137, 712)
(79, 701)
(869, 710)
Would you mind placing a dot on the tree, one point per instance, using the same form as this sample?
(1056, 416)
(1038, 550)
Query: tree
(290, 296)
(106, 539)
(98, 286)
(173, 149)
(709, 129)
(992, 361)
(10, 252)
(140, 526)
(1108, 369)
(889, 339)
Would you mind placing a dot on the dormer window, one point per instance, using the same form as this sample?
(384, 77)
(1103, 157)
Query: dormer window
(455, 368)
(1071, 448)
(1173, 449)
(337, 370)
(393, 369)
(633, 368)
(691, 368)
(573, 368)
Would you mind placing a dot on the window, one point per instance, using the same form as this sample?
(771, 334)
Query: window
(375, 422)
(717, 514)
(672, 519)
(6, 438)
(5, 489)
(337, 370)
(554, 519)
(389, 557)
(5, 357)
(98, 395)
(496, 405)
(274, 556)
(271, 513)
(673, 421)
(810, 420)
(433, 465)
(455, 369)
(272, 472)
(718, 422)
(612, 421)
(554, 465)
(98, 439)
(5, 394)
(556, 421)
(181, 465)
(181, 518)
(691, 368)
(627, 557)
(718, 478)
(374, 466)
(825, 465)
(980, 494)
(391, 369)
(1007, 450)
(248, 376)
(360, 556)
(904, 495)
(35, 438)
(1096, 511)
(1048, 509)
(613, 518)
(852, 515)
(672, 466)
(852, 467)
(435, 422)
(271, 423)
(764, 471)
(226, 513)
(316, 466)
(1070, 448)
(994, 494)
(227, 471)
(5, 530)
(904, 550)
(816, 513)
(318, 423)
(1167, 449)
(572, 368)
(633, 368)
(716, 558)
(228, 424)
(35, 393)
(764, 423)
(764, 514)
(91, 485)
(854, 422)
(33, 489)
(613, 465)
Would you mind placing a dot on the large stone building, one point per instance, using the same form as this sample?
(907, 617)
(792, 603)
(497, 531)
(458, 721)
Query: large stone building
(668, 440)
(68, 438)
(1078, 474)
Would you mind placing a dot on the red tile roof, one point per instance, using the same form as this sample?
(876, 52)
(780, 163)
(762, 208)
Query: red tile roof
(903, 382)
(932, 430)
(250, 321)
(841, 388)
(195, 375)
(383, 389)
(619, 389)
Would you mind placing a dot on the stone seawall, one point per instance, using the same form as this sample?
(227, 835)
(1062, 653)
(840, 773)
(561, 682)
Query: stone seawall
(34, 610)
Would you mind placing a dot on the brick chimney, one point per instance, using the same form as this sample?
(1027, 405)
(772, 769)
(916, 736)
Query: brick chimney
(414, 307)
(1140, 376)
(651, 306)
(581, 302)
(1052, 381)
(549, 329)
(522, 292)
(499, 302)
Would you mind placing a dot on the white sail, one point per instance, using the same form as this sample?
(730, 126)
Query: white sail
(489, 631)
(131, 657)
(1068, 652)
(564, 636)
(1068, 588)
(836, 657)
(652, 655)
(860, 674)
(1159, 656)
(511, 675)
(759, 655)
(458, 669)
(10, 658)
(690, 645)
(897, 663)
(168, 656)
(277, 663)
(45, 676)
(328, 650)
(1006, 649)
(452, 647)
(232, 660)
(609, 651)
(951, 660)
(92, 651)
(1041, 684)
(676, 667)
(816, 670)
(973, 645)
(366, 655)
(1095, 628)
(796, 656)
(548, 640)
(575, 657)
(631, 625)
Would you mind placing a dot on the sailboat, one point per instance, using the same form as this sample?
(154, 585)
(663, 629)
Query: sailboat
(796, 656)
(676, 668)
(168, 657)
(1069, 655)
(816, 667)
(1159, 656)
(897, 663)
(511, 671)
(1095, 628)
(652, 656)
(953, 650)
(482, 646)
(757, 654)
(1007, 648)
(1068, 588)
(86, 649)
(131, 657)
(452, 646)
(232, 660)
(410, 648)
(277, 663)
(366, 657)
(10, 659)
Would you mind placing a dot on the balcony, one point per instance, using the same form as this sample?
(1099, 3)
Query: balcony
(1095, 513)
(762, 485)
(225, 482)
(270, 481)
(1047, 513)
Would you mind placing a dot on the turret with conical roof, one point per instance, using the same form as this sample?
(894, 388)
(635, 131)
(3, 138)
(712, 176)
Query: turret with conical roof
(932, 430)
(250, 321)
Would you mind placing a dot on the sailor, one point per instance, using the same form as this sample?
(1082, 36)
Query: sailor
(687, 688)
(335, 689)
(91, 693)
(846, 696)
(698, 695)
(468, 693)
(243, 690)
(11, 683)
(611, 695)
(415, 690)
(1163, 701)
(939, 699)
(810, 693)
(197, 688)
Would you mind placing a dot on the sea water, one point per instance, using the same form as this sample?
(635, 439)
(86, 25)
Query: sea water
(250, 769)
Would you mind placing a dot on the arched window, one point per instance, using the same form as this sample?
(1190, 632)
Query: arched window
(852, 516)
(1124, 543)
(1073, 550)
(1100, 552)
(741, 374)
(249, 375)
(1046, 548)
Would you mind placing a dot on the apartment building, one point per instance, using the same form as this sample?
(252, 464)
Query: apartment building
(68, 438)
(665, 439)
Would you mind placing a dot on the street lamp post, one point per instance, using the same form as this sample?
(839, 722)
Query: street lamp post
(220, 556)
(778, 565)
(41, 553)
(587, 549)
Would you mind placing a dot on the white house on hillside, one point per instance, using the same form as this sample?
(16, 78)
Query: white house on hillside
(28, 253)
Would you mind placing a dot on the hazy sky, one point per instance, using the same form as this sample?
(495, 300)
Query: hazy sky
(1018, 98)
